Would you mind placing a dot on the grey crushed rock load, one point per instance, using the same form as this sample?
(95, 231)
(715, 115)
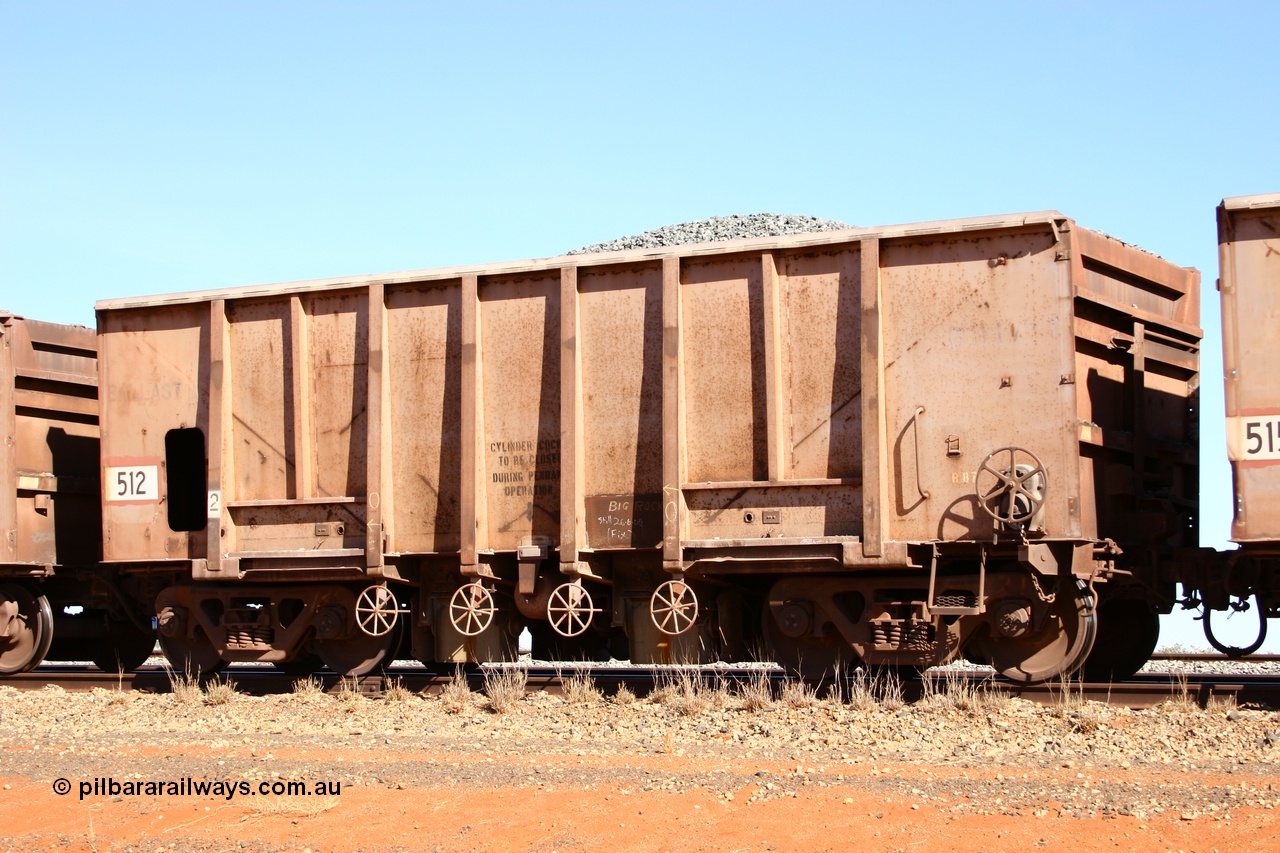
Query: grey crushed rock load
(717, 228)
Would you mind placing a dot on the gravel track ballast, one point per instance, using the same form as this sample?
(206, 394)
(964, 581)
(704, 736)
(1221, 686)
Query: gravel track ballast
(717, 228)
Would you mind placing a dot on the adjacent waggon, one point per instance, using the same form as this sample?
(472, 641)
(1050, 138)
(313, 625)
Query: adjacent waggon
(1249, 258)
(893, 446)
(52, 584)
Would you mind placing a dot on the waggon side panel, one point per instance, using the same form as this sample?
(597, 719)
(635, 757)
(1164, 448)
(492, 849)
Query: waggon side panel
(49, 457)
(520, 366)
(8, 448)
(821, 321)
(338, 340)
(1137, 368)
(297, 385)
(723, 347)
(1249, 254)
(154, 376)
(620, 335)
(425, 364)
(262, 385)
(769, 359)
(975, 328)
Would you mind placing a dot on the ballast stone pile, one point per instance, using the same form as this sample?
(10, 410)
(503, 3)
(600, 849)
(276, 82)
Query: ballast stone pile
(1215, 667)
(718, 228)
(1078, 759)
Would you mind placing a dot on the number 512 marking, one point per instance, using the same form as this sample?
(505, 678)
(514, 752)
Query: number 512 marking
(132, 484)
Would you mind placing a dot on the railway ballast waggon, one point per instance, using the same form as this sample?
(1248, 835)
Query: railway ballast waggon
(1249, 261)
(56, 599)
(877, 447)
(887, 446)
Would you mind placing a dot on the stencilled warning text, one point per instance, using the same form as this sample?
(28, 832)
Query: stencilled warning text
(525, 468)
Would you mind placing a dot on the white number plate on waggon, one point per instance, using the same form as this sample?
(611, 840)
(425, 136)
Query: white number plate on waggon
(132, 483)
(1254, 438)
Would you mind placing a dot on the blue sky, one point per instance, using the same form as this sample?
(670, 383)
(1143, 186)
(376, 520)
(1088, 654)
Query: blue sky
(154, 147)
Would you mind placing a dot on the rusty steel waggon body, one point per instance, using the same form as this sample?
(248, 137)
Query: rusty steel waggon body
(50, 518)
(1249, 260)
(890, 445)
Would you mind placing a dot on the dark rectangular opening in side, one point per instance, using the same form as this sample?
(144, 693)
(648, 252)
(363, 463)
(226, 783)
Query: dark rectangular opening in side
(186, 478)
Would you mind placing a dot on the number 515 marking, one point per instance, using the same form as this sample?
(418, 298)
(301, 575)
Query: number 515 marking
(1254, 438)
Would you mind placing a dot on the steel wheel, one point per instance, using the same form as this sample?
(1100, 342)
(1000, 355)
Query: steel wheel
(195, 657)
(26, 629)
(127, 649)
(1128, 630)
(809, 658)
(570, 609)
(1009, 494)
(377, 610)
(471, 609)
(673, 607)
(1056, 648)
(301, 665)
(358, 654)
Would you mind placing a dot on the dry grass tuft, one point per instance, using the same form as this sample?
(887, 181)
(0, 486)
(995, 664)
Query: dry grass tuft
(116, 696)
(185, 688)
(669, 743)
(504, 686)
(580, 688)
(954, 690)
(868, 692)
(861, 694)
(456, 695)
(121, 695)
(798, 694)
(308, 690)
(349, 692)
(836, 687)
(1083, 716)
(1221, 705)
(994, 699)
(624, 696)
(683, 691)
(393, 690)
(932, 690)
(721, 693)
(293, 806)
(219, 691)
(756, 693)
(1180, 698)
(664, 690)
(891, 690)
(1088, 719)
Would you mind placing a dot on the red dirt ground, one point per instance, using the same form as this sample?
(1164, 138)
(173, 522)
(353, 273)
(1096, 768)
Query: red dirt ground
(572, 818)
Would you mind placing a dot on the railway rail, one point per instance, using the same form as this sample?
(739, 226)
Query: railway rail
(1145, 690)
(1212, 657)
